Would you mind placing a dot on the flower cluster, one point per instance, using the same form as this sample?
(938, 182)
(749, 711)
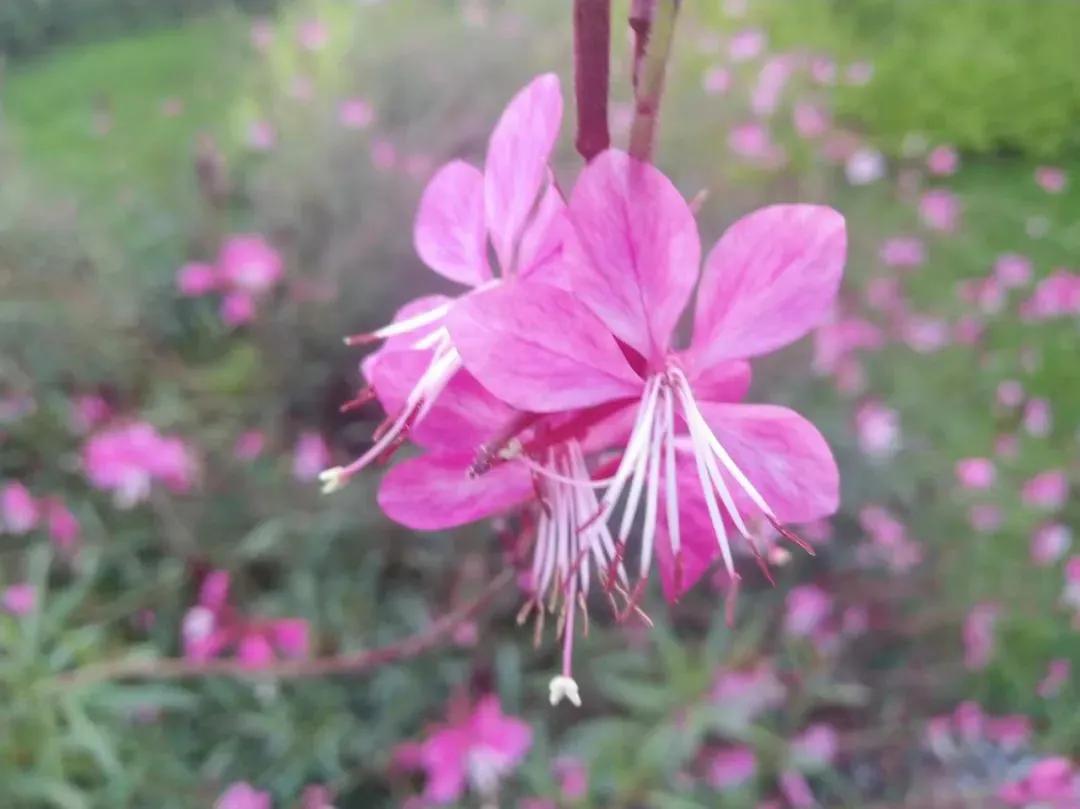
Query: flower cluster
(554, 389)
(247, 267)
(128, 459)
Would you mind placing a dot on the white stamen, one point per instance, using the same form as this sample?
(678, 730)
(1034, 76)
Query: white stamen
(412, 323)
(332, 479)
(563, 687)
(672, 488)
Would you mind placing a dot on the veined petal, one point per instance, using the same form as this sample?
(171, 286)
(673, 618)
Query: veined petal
(698, 548)
(538, 349)
(541, 244)
(720, 382)
(449, 232)
(632, 249)
(517, 157)
(782, 454)
(770, 278)
(434, 492)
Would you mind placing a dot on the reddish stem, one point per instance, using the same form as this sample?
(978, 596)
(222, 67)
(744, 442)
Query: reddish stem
(641, 15)
(592, 56)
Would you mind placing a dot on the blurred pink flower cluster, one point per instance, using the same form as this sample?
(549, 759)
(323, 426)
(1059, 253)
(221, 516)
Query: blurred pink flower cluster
(246, 269)
(212, 628)
(128, 459)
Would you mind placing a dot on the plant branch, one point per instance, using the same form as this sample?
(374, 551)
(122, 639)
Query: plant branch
(641, 16)
(353, 663)
(592, 57)
(650, 85)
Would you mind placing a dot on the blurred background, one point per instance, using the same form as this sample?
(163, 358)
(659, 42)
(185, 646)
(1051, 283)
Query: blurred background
(160, 430)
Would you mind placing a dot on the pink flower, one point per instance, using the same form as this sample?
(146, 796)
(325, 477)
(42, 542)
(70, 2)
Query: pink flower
(249, 445)
(1050, 542)
(770, 84)
(753, 142)
(1010, 393)
(261, 136)
(747, 693)
(1038, 418)
(87, 411)
(979, 640)
(815, 748)
(1047, 490)
(902, 251)
(878, 428)
(810, 120)
(355, 113)
(943, 161)
(310, 456)
(19, 511)
(807, 609)
(940, 210)
(312, 35)
(730, 767)
(823, 70)
(1051, 782)
(128, 459)
(796, 790)
(746, 45)
(262, 34)
(1057, 295)
(475, 752)
(242, 795)
(383, 154)
(864, 166)
(19, 599)
(248, 263)
(237, 309)
(976, 473)
(770, 279)
(1012, 270)
(1050, 179)
(1057, 675)
(196, 279)
(512, 205)
(573, 777)
(63, 528)
(716, 81)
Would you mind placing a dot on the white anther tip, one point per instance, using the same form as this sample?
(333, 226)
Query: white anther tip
(563, 687)
(332, 479)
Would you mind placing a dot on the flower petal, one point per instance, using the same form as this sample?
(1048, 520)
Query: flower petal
(434, 492)
(538, 349)
(449, 231)
(633, 249)
(720, 382)
(770, 278)
(782, 454)
(542, 242)
(517, 157)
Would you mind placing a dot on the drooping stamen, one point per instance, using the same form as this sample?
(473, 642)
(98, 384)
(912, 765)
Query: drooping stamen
(400, 327)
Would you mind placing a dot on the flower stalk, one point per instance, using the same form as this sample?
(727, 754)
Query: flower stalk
(592, 56)
(659, 31)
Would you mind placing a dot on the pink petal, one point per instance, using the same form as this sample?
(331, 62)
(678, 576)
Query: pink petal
(770, 279)
(291, 637)
(539, 349)
(721, 382)
(542, 242)
(633, 249)
(782, 454)
(517, 157)
(254, 651)
(449, 231)
(433, 492)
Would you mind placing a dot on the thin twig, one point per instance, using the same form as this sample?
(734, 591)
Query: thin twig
(354, 663)
(641, 15)
(592, 57)
(650, 88)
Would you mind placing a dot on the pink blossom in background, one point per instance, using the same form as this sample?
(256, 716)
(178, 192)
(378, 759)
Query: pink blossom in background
(815, 747)
(864, 166)
(796, 790)
(316, 796)
(355, 113)
(242, 795)
(943, 161)
(1057, 295)
(968, 330)
(754, 143)
(823, 70)
(746, 45)
(859, 73)
(810, 120)
(249, 445)
(1007, 446)
(1010, 393)
(1050, 179)
(925, 334)
(1051, 782)
(890, 544)
(976, 473)
(979, 635)
(572, 775)
(771, 80)
(19, 599)
(940, 210)
(747, 693)
(1038, 418)
(716, 80)
(878, 428)
(237, 309)
(19, 511)
(1057, 675)
(1012, 270)
(1050, 542)
(261, 136)
(262, 34)
(126, 460)
(1046, 490)
(806, 608)
(383, 154)
(63, 527)
(985, 517)
(312, 34)
(196, 278)
(248, 262)
(837, 340)
(310, 457)
(1071, 595)
(474, 752)
(902, 251)
(730, 767)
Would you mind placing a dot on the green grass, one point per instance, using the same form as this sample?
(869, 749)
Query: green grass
(50, 106)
